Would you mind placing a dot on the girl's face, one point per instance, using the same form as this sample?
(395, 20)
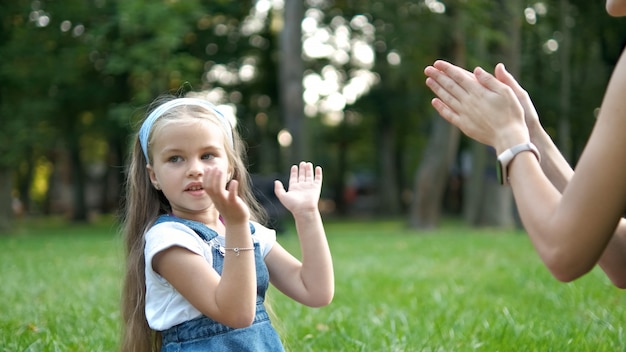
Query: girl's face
(616, 8)
(182, 151)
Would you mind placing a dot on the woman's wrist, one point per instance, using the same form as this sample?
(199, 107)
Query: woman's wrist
(541, 138)
(537, 133)
(513, 137)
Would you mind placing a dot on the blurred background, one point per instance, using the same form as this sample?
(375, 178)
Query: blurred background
(339, 83)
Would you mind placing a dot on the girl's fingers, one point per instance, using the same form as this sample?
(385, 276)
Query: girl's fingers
(233, 190)
(308, 170)
(318, 174)
(305, 172)
(293, 177)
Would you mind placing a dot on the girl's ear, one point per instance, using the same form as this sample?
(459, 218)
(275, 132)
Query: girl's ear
(152, 176)
(231, 174)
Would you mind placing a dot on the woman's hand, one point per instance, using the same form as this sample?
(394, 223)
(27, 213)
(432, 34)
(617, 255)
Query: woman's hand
(530, 113)
(484, 108)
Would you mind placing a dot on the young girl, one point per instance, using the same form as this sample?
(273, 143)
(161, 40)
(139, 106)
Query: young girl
(198, 260)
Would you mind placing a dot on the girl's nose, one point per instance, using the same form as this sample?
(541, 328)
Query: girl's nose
(196, 168)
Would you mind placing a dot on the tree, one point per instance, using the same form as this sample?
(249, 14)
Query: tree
(23, 98)
(76, 76)
(291, 75)
(438, 157)
(487, 203)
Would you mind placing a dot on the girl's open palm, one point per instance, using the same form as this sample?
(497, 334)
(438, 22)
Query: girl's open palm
(305, 184)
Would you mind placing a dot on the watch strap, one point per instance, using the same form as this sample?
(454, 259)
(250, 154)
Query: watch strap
(505, 158)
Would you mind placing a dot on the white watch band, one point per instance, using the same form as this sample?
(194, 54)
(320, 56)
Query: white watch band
(505, 158)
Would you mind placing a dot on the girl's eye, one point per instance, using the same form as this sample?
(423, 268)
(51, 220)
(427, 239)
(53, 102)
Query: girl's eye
(174, 159)
(208, 156)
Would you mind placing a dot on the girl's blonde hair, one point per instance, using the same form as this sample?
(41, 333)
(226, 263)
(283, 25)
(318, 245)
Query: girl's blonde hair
(144, 204)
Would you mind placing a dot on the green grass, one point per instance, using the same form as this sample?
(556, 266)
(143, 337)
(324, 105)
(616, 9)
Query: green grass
(60, 288)
(453, 289)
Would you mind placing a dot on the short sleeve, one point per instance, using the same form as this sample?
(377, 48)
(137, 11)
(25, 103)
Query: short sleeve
(165, 307)
(169, 234)
(264, 236)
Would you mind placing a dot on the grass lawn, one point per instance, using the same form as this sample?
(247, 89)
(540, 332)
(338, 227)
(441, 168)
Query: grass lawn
(452, 289)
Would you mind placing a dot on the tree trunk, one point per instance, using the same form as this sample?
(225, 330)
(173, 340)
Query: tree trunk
(6, 201)
(24, 181)
(389, 202)
(113, 178)
(432, 175)
(565, 138)
(474, 187)
(487, 203)
(341, 169)
(291, 70)
(79, 204)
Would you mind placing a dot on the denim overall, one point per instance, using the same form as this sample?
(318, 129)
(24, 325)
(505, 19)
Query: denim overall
(205, 334)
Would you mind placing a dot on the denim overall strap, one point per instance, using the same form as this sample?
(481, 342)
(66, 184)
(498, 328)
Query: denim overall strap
(205, 232)
(199, 228)
(203, 333)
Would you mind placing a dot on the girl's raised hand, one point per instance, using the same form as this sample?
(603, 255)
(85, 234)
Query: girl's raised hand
(305, 185)
(225, 197)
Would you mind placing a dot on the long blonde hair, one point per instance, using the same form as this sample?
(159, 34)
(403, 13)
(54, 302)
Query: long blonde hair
(144, 204)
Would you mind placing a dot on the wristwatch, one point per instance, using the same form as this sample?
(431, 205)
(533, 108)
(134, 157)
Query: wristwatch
(505, 158)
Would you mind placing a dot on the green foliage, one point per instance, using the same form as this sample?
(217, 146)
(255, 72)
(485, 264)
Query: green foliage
(452, 289)
(109, 59)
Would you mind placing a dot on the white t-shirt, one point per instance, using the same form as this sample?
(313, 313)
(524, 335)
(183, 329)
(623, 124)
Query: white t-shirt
(165, 307)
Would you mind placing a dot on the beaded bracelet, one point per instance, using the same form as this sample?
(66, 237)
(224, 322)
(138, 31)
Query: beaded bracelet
(238, 249)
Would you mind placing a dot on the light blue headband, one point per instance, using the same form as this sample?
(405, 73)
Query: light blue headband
(144, 132)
